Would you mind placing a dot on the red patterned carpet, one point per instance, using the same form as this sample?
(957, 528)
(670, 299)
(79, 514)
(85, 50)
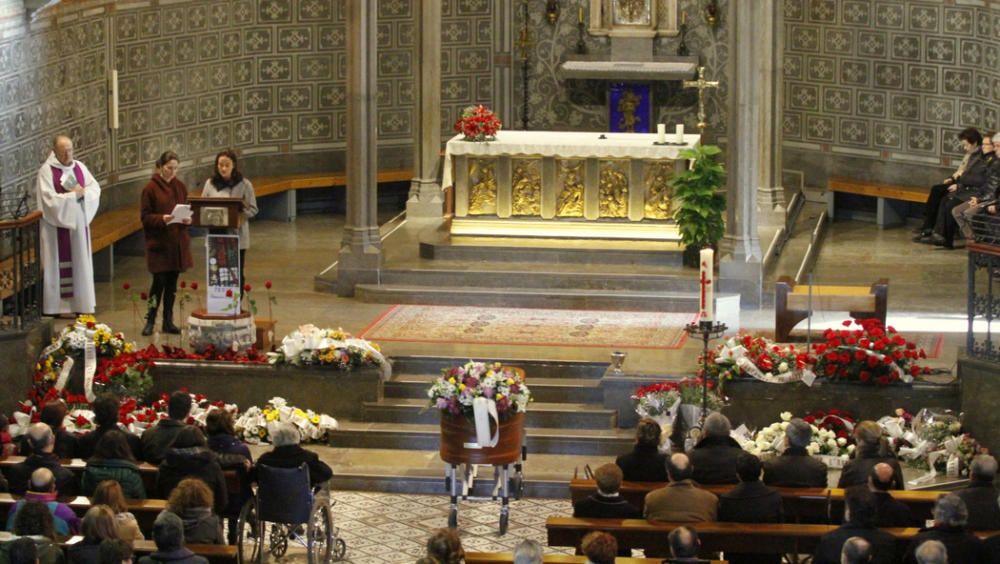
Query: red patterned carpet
(514, 326)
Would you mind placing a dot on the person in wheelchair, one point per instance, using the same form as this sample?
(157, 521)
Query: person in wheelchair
(287, 453)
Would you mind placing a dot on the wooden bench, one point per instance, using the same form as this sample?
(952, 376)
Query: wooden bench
(145, 510)
(887, 212)
(286, 186)
(508, 558)
(792, 302)
(215, 553)
(800, 503)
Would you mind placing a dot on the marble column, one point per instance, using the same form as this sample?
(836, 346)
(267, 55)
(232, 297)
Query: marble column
(750, 27)
(425, 201)
(770, 191)
(361, 248)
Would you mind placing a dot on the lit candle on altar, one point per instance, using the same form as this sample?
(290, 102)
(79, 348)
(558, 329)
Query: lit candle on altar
(680, 133)
(707, 312)
(661, 133)
(580, 14)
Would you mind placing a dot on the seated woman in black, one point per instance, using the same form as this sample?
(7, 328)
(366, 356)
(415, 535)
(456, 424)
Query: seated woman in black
(644, 463)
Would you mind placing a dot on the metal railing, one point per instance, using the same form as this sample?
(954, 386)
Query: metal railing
(20, 272)
(983, 277)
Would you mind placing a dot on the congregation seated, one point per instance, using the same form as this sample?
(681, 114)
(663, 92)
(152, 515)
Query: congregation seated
(985, 201)
(971, 141)
(35, 522)
(168, 534)
(114, 552)
(157, 439)
(684, 545)
(889, 512)
(287, 453)
(42, 490)
(980, 496)
(109, 493)
(870, 451)
(931, 552)
(951, 517)
(98, 525)
(528, 552)
(751, 502)
(192, 501)
(112, 460)
(645, 463)
(7, 446)
(42, 442)
(856, 550)
(795, 468)
(599, 547)
(444, 546)
(608, 503)
(22, 550)
(714, 456)
(234, 454)
(681, 500)
(53, 414)
(106, 419)
(190, 457)
(859, 521)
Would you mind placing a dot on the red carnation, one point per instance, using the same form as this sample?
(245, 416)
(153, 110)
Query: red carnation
(184, 284)
(229, 293)
(247, 287)
(194, 285)
(126, 286)
(143, 296)
(267, 284)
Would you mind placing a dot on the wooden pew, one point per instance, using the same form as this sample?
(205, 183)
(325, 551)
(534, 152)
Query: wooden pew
(792, 302)
(288, 185)
(215, 553)
(887, 212)
(800, 503)
(145, 510)
(508, 558)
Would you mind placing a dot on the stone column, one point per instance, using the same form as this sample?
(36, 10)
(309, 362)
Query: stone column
(361, 248)
(770, 192)
(741, 268)
(425, 201)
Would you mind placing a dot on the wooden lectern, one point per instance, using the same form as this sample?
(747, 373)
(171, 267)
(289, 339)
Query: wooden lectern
(219, 213)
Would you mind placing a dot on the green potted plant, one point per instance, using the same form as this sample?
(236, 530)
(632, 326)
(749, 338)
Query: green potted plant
(702, 201)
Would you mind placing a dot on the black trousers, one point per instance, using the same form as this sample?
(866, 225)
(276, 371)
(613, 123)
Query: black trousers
(243, 261)
(938, 192)
(163, 291)
(946, 226)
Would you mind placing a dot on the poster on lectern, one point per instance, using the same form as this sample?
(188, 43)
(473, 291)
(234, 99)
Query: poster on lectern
(222, 255)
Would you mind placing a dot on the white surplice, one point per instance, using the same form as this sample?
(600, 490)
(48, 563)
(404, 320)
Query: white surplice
(69, 212)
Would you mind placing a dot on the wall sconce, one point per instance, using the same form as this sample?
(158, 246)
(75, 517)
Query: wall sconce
(552, 11)
(712, 13)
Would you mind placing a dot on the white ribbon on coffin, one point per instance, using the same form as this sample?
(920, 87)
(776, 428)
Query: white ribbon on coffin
(64, 373)
(89, 368)
(483, 412)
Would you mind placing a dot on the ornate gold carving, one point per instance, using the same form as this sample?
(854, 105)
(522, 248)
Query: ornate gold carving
(527, 190)
(658, 190)
(614, 190)
(483, 193)
(570, 201)
(627, 105)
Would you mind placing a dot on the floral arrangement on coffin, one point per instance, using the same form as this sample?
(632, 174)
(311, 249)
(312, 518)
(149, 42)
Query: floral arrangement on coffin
(253, 424)
(478, 123)
(760, 358)
(865, 351)
(835, 450)
(456, 388)
(933, 440)
(310, 345)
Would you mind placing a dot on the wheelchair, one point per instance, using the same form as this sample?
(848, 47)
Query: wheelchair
(282, 505)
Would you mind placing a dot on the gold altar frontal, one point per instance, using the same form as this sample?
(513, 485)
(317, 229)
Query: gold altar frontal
(564, 185)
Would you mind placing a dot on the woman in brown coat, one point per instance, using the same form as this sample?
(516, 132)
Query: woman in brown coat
(168, 246)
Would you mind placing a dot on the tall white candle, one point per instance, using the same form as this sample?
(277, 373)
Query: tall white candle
(707, 282)
(680, 133)
(661, 133)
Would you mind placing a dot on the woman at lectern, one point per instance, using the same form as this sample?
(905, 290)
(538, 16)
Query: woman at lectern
(168, 243)
(228, 182)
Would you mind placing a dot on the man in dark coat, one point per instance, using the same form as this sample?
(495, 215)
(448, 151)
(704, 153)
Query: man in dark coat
(751, 502)
(714, 457)
(859, 521)
(980, 496)
(157, 439)
(54, 415)
(287, 453)
(168, 534)
(607, 503)
(190, 457)
(889, 511)
(106, 419)
(795, 468)
(43, 443)
(645, 463)
(869, 452)
(950, 519)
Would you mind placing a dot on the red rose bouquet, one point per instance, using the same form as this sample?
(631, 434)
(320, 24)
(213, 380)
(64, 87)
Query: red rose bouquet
(478, 123)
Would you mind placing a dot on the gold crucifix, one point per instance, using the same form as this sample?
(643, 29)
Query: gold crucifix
(701, 84)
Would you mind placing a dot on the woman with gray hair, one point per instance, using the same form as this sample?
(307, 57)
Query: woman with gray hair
(528, 552)
(287, 453)
(950, 519)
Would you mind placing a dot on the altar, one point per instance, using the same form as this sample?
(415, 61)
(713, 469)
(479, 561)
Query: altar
(564, 184)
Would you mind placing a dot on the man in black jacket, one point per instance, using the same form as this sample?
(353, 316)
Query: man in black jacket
(42, 442)
(859, 521)
(795, 468)
(751, 502)
(644, 463)
(980, 496)
(157, 439)
(950, 519)
(607, 503)
(714, 457)
(889, 511)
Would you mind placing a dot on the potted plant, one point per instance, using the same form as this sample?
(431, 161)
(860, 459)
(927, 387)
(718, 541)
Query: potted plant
(701, 201)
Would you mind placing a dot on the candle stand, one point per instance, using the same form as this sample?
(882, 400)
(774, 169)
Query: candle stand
(707, 330)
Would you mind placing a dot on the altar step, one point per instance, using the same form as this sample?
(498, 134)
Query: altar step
(580, 390)
(555, 277)
(540, 414)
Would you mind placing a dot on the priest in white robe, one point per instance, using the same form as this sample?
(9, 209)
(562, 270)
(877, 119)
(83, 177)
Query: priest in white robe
(68, 197)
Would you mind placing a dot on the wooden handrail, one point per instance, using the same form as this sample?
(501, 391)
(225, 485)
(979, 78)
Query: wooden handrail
(32, 217)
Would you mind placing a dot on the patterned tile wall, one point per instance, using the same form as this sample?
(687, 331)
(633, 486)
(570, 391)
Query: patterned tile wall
(265, 76)
(889, 79)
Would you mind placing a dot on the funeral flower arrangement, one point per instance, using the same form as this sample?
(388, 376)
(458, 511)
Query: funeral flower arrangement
(770, 440)
(760, 358)
(478, 123)
(664, 401)
(456, 388)
(310, 345)
(933, 440)
(865, 351)
(658, 400)
(253, 424)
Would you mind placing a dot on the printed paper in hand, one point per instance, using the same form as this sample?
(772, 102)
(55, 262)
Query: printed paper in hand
(68, 182)
(180, 213)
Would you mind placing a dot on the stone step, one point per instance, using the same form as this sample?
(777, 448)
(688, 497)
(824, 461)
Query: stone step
(551, 390)
(592, 300)
(567, 251)
(595, 442)
(432, 366)
(532, 277)
(539, 414)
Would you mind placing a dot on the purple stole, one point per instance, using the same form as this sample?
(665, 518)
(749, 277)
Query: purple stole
(63, 239)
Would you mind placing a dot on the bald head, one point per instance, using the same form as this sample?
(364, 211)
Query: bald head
(679, 467)
(62, 146)
(684, 542)
(880, 478)
(42, 480)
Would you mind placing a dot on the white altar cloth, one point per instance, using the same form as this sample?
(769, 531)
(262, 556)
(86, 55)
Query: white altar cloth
(566, 145)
